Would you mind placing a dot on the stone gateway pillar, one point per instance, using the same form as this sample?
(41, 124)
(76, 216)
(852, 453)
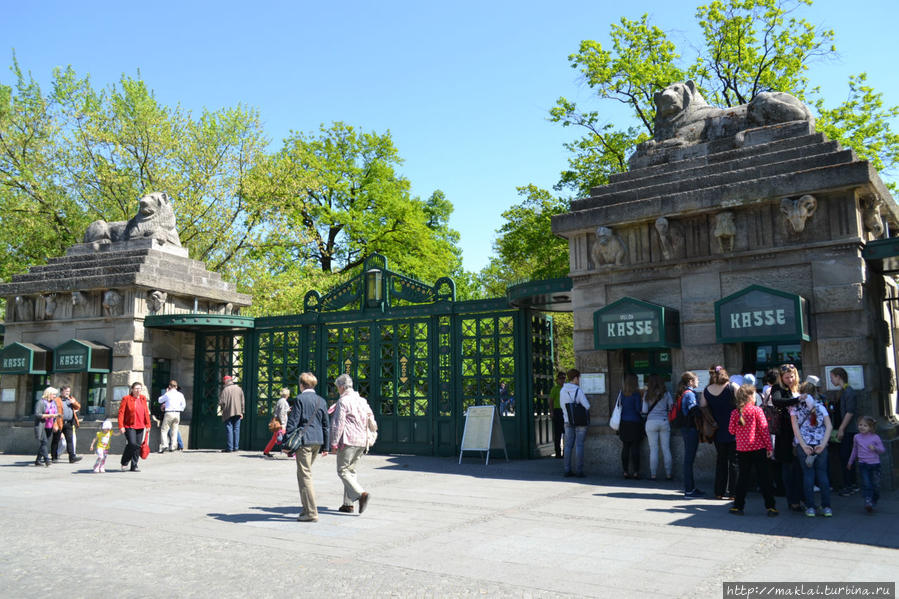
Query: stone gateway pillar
(79, 320)
(751, 228)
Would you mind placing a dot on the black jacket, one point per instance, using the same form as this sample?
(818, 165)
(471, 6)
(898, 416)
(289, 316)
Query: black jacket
(310, 411)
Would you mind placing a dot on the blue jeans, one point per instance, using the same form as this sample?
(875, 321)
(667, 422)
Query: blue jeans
(691, 444)
(870, 475)
(574, 444)
(232, 433)
(817, 473)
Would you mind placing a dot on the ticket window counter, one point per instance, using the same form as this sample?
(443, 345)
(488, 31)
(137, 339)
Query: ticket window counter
(646, 362)
(758, 358)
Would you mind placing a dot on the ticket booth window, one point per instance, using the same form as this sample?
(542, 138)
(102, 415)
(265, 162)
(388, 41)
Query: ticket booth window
(38, 382)
(759, 357)
(95, 400)
(648, 361)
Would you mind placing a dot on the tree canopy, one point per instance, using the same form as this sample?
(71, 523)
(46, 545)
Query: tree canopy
(276, 222)
(747, 47)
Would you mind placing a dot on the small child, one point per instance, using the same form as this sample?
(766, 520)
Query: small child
(811, 431)
(102, 443)
(866, 446)
(749, 425)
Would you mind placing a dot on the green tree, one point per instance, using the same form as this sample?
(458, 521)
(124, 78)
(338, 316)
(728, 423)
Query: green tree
(77, 154)
(334, 197)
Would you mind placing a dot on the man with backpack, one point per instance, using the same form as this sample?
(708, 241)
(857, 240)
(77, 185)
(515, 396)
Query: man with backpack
(576, 412)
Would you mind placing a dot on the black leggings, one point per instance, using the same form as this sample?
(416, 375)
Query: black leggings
(133, 438)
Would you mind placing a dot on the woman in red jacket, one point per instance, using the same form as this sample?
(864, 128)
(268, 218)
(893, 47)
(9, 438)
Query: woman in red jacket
(134, 419)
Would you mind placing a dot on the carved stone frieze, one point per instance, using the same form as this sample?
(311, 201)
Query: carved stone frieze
(112, 303)
(608, 248)
(725, 231)
(798, 211)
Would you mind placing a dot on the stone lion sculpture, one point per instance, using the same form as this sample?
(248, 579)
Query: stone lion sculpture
(609, 248)
(155, 219)
(683, 117)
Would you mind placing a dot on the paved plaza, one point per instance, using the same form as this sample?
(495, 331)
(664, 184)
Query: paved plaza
(207, 524)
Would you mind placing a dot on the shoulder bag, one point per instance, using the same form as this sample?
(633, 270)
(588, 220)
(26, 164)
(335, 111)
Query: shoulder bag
(615, 419)
(293, 441)
(371, 433)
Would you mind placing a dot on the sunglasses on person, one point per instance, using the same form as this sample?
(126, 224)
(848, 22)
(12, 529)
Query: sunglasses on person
(787, 367)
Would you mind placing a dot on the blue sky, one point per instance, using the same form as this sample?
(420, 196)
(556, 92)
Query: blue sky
(464, 87)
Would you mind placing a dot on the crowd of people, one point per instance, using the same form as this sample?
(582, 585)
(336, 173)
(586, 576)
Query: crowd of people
(305, 427)
(784, 438)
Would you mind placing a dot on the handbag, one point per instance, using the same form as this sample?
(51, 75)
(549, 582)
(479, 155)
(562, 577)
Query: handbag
(293, 441)
(274, 424)
(145, 447)
(615, 420)
(371, 433)
(705, 424)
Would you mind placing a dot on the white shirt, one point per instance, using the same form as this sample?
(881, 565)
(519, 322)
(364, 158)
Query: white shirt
(173, 400)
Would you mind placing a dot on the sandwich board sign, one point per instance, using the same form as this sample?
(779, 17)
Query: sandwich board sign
(482, 432)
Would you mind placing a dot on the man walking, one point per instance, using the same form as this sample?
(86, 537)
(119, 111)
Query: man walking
(173, 403)
(69, 422)
(310, 416)
(231, 403)
(349, 433)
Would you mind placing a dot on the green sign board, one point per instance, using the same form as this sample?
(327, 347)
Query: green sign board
(759, 314)
(631, 323)
(78, 355)
(25, 358)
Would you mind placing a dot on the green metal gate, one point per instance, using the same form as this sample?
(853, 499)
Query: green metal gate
(421, 358)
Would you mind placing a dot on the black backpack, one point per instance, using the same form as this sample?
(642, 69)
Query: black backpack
(577, 414)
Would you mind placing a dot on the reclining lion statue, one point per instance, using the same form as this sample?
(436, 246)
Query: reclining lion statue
(155, 219)
(683, 117)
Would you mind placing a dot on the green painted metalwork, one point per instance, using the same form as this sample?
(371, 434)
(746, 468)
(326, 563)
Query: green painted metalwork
(218, 354)
(420, 358)
(199, 322)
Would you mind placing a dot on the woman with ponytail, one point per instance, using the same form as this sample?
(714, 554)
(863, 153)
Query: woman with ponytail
(750, 427)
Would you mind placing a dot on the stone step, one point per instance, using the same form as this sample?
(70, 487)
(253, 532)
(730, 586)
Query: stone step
(698, 182)
(77, 273)
(725, 156)
(57, 264)
(747, 161)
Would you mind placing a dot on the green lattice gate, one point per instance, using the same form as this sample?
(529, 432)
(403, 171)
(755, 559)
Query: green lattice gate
(420, 358)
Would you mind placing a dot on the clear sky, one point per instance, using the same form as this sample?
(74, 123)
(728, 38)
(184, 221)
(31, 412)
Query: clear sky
(463, 86)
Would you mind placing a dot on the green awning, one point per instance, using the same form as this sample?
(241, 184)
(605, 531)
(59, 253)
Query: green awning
(884, 254)
(634, 324)
(78, 355)
(25, 358)
(549, 295)
(200, 322)
(760, 314)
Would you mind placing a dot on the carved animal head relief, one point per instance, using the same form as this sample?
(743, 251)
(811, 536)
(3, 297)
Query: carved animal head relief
(49, 306)
(80, 303)
(872, 219)
(798, 211)
(112, 303)
(671, 238)
(609, 248)
(725, 231)
(24, 308)
(156, 300)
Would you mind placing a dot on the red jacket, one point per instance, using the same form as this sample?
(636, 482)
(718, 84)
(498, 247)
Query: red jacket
(133, 412)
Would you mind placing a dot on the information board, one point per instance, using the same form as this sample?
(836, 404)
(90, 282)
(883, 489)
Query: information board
(482, 432)
(856, 377)
(593, 382)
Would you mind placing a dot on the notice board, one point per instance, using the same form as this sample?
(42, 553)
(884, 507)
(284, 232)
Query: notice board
(482, 432)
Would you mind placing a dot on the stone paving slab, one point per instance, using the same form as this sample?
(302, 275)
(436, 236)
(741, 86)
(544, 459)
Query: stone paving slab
(205, 524)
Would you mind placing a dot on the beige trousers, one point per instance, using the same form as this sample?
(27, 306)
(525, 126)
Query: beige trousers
(346, 470)
(170, 423)
(305, 457)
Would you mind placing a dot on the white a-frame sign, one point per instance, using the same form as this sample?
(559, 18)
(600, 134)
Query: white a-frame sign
(482, 432)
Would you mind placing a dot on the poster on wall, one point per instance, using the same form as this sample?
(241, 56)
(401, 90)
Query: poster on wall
(856, 376)
(8, 396)
(593, 382)
(119, 392)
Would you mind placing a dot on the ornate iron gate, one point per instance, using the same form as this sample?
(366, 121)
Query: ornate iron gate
(420, 358)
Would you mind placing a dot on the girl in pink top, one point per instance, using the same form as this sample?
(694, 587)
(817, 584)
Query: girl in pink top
(866, 448)
(749, 425)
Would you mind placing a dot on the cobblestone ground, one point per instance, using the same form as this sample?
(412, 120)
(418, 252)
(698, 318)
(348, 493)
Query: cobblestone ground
(205, 524)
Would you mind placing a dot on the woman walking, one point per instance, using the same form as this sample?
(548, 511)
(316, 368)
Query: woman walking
(349, 433)
(134, 420)
(282, 408)
(631, 429)
(46, 411)
(656, 403)
(719, 397)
